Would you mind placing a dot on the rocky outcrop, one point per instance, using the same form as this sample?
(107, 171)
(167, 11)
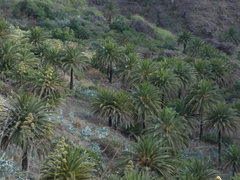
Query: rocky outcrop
(143, 27)
(146, 53)
(228, 48)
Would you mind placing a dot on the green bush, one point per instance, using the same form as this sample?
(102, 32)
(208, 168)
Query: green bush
(65, 34)
(35, 9)
(213, 138)
(79, 31)
(120, 25)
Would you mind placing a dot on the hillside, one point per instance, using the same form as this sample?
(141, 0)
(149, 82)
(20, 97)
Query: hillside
(119, 90)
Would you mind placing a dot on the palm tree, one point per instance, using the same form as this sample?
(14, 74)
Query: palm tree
(186, 75)
(124, 70)
(69, 163)
(5, 29)
(28, 126)
(232, 35)
(203, 69)
(195, 46)
(113, 105)
(110, 10)
(53, 55)
(201, 98)
(151, 155)
(74, 59)
(221, 118)
(231, 157)
(8, 55)
(146, 101)
(109, 53)
(198, 169)
(171, 128)
(142, 71)
(47, 83)
(222, 71)
(184, 38)
(166, 81)
(37, 35)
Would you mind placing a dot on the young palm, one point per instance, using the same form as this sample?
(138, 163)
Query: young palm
(68, 163)
(146, 101)
(166, 81)
(28, 126)
(232, 35)
(142, 71)
(184, 38)
(109, 53)
(221, 118)
(74, 59)
(110, 10)
(53, 56)
(171, 128)
(231, 157)
(201, 98)
(185, 74)
(150, 154)
(198, 169)
(112, 105)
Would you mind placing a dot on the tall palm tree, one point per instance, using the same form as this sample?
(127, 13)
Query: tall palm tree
(70, 163)
(232, 35)
(231, 157)
(149, 153)
(184, 38)
(5, 29)
(166, 81)
(221, 118)
(201, 98)
(74, 59)
(186, 75)
(112, 105)
(110, 10)
(170, 128)
(28, 126)
(109, 53)
(198, 169)
(146, 101)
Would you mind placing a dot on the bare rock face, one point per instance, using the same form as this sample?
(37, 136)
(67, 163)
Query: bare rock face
(169, 53)
(143, 27)
(228, 48)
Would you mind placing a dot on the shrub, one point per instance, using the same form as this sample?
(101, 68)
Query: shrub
(120, 25)
(65, 34)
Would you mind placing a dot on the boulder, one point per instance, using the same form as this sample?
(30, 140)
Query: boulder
(168, 53)
(142, 26)
(146, 53)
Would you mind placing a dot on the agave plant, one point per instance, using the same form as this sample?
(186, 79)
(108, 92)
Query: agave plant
(67, 163)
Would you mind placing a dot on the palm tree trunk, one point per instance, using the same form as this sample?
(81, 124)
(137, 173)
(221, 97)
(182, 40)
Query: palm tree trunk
(143, 121)
(234, 169)
(110, 121)
(24, 160)
(110, 73)
(179, 93)
(163, 101)
(71, 78)
(219, 147)
(184, 48)
(201, 128)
